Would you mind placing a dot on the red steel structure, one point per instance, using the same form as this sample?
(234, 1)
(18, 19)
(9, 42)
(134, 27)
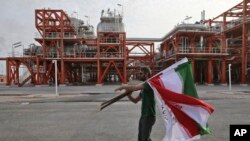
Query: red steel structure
(235, 25)
(82, 57)
(140, 54)
(211, 45)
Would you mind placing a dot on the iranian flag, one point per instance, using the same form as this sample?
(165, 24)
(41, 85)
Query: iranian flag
(184, 114)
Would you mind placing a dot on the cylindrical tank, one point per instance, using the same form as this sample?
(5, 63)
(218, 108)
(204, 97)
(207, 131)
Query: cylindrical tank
(110, 22)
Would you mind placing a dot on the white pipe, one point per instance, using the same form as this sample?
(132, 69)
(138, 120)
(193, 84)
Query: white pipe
(229, 76)
(181, 27)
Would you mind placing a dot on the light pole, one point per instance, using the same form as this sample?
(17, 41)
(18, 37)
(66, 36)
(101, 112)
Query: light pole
(122, 8)
(88, 19)
(15, 45)
(56, 89)
(229, 76)
(187, 18)
(77, 22)
(74, 12)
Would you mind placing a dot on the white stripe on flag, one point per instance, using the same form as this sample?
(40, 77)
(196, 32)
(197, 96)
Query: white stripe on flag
(174, 131)
(184, 115)
(172, 81)
(199, 114)
(173, 66)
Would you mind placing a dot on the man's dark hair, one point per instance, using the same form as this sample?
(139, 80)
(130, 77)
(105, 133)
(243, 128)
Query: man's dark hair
(145, 73)
(146, 70)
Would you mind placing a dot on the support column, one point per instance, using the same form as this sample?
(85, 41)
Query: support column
(223, 72)
(192, 44)
(17, 73)
(125, 58)
(98, 66)
(124, 72)
(210, 72)
(62, 79)
(44, 72)
(37, 72)
(7, 72)
(223, 62)
(99, 75)
(210, 67)
(193, 69)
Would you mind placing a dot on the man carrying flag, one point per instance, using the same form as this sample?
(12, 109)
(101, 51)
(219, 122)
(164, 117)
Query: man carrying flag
(184, 115)
(147, 118)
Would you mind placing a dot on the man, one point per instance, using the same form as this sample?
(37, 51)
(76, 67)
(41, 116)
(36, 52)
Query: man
(147, 118)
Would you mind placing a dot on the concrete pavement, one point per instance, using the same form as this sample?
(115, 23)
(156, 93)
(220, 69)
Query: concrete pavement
(35, 113)
(102, 93)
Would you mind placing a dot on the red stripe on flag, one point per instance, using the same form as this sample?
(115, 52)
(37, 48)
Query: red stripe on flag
(179, 98)
(170, 98)
(187, 123)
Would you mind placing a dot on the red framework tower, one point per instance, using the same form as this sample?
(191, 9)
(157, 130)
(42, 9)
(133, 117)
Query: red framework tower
(82, 57)
(211, 45)
(204, 48)
(140, 54)
(112, 62)
(235, 27)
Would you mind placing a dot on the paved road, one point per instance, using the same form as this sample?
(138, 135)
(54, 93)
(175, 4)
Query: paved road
(75, 115)
(97, 89)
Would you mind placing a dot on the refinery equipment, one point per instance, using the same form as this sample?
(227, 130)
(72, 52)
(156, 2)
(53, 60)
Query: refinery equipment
(211, 45)
(108, 56)
(83, 57)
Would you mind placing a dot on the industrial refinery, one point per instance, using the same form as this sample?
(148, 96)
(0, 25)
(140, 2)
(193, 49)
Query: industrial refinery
(88, 55)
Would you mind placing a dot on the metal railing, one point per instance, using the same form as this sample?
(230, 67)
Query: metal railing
(111, 55)
(197, 50)
(205, 50)
(56, 35)
(110, 40)
(15, 54)
(78, 55)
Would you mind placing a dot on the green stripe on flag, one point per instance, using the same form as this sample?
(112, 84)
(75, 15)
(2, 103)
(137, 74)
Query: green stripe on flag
(204, 131)
(185, 73)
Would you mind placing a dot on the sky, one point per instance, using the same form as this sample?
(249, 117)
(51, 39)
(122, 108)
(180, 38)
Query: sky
(142, 18)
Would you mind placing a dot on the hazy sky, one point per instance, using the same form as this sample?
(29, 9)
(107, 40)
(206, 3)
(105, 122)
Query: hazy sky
(142, 18)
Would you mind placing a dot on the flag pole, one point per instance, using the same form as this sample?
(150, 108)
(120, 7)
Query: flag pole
(122, 95)
(113, 100)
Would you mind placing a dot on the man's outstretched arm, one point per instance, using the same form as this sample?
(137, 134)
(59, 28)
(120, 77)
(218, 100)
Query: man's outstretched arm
(130, 88)
(134, 99)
